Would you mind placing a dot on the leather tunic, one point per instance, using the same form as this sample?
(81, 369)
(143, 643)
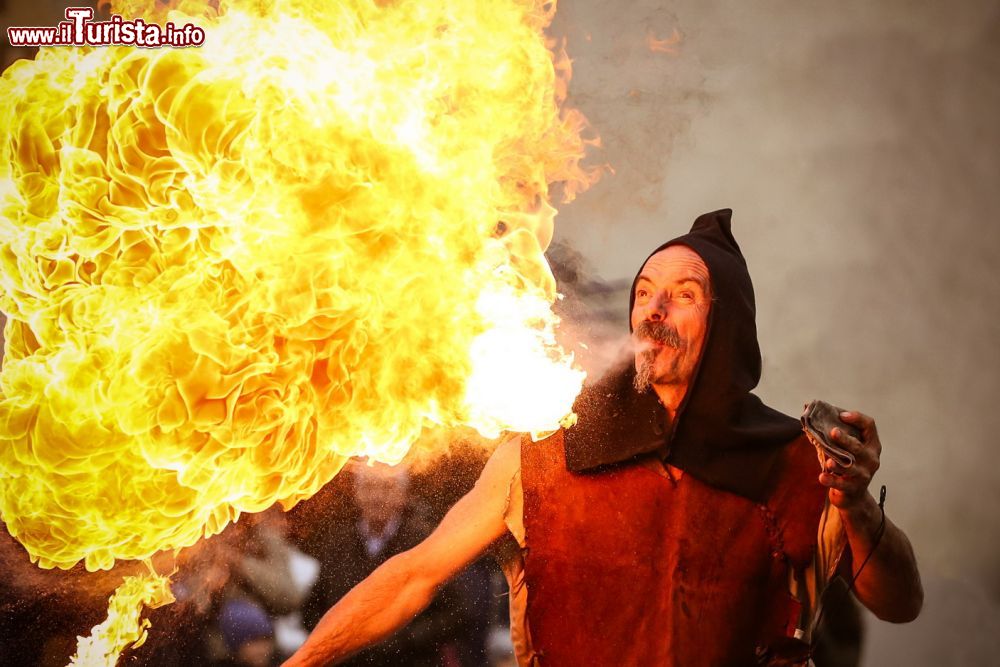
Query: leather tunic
(630, 567)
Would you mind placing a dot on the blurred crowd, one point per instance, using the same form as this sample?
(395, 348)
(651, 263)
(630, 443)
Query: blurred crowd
(250, 595)
(271, 577)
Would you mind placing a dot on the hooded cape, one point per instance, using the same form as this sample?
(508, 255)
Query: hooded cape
(722, 433)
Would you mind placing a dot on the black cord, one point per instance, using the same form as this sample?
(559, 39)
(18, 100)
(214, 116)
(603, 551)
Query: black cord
(850, 584)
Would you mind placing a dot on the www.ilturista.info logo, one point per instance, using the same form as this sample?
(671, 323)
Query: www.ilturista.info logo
(78, 30)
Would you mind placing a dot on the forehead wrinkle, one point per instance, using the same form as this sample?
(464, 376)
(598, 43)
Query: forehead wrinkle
(661, 264)
(679, 254)
(690, 272)
(680, 261)
(698, 280)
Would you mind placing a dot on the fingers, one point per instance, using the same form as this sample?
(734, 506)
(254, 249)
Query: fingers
(849, 485)
(845, 491)
(860, 470)
(846, 440)
(836, 481)
(832, 467)
(859, 419)
(866, 452)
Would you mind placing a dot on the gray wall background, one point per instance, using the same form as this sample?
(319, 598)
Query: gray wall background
(859, 146)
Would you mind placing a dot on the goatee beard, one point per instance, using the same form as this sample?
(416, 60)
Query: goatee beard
(657, 332)
(643, 379)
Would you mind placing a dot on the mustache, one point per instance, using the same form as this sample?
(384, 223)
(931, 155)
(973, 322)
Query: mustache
(658, 332)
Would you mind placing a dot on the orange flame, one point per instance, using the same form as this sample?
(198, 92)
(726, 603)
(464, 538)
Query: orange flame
(122, 628)
(228, 269)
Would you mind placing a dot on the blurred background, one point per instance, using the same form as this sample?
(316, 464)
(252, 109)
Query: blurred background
(859, 147)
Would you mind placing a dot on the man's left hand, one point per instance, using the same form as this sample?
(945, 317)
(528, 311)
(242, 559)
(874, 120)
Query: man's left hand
(849, 486)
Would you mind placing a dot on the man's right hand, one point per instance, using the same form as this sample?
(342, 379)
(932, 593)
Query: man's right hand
(406, 583)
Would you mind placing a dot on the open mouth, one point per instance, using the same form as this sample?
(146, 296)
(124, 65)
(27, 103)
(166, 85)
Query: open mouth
(649, 345)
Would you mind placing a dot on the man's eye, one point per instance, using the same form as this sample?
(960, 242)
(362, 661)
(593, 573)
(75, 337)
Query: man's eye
(642, 293)
(687, 296)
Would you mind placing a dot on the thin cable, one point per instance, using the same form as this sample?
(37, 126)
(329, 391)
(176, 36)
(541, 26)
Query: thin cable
(850, 584)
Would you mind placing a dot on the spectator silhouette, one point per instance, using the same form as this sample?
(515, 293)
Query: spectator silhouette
(384, 519)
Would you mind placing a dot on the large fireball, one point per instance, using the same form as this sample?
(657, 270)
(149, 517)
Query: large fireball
(227, 269)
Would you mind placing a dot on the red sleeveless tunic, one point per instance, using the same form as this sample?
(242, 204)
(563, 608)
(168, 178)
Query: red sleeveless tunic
(629, 567)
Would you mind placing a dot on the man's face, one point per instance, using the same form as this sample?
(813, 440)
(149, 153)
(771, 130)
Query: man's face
(670, 317)
(381, 492)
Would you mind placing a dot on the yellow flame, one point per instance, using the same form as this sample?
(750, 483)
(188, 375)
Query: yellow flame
(520, 377)
(122, 628)
(229, 268)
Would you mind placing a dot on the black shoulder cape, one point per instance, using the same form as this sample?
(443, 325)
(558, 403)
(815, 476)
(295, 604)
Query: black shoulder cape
(723, 434)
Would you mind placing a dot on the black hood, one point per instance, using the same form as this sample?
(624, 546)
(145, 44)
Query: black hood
(722, 434)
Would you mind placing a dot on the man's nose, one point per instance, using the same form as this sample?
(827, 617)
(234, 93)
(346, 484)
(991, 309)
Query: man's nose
(658, 309)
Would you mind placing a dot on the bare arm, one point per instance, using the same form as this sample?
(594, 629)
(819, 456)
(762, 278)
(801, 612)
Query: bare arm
(406, 583)
(889, 585)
